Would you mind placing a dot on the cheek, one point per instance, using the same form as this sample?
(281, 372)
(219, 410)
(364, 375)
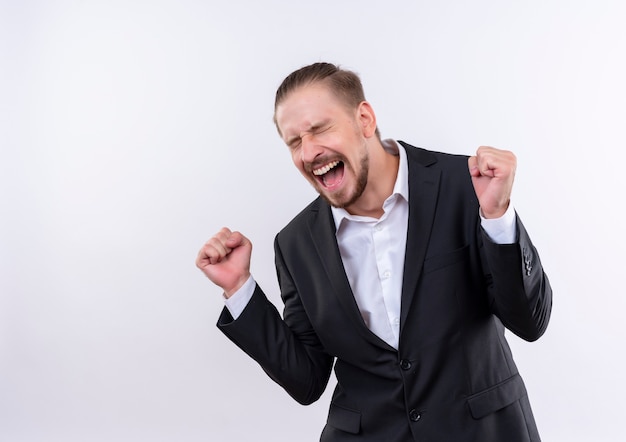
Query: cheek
(296, 158)
(297, 161)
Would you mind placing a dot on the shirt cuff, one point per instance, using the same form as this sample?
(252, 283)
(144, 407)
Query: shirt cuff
(239, 300)
(501, 230)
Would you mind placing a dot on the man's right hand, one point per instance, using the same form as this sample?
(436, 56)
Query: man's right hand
(225, 260)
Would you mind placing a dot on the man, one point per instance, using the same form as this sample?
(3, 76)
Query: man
(404, 273)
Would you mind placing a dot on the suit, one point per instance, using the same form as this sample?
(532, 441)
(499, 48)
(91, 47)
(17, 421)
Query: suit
(453, 377)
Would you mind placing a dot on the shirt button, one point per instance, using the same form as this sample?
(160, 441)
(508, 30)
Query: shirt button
(405, 364)
(387, 274)
(378, 227)
(414, 415)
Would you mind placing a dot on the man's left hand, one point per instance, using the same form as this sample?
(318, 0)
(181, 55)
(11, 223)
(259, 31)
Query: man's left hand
(493, 171)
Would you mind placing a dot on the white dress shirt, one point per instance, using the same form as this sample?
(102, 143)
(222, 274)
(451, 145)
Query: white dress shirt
(372, 251)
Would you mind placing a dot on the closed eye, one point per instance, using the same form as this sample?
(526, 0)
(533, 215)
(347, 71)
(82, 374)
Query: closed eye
(294, 143)
(320, 129)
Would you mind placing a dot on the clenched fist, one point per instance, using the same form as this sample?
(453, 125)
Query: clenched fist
(225, 260)
(493, 171)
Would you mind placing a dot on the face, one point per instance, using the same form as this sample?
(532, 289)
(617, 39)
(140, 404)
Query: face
(327, 141)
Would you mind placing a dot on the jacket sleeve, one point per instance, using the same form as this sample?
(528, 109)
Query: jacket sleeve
(287, 350)
(520, 294)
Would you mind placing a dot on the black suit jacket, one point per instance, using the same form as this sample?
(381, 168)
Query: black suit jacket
(453, 377)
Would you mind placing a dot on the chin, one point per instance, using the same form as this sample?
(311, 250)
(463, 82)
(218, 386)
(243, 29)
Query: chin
(338, 201)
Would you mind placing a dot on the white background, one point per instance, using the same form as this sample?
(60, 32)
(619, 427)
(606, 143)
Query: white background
(130, 131)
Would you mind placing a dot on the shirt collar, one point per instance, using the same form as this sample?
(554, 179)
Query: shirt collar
(400, 188)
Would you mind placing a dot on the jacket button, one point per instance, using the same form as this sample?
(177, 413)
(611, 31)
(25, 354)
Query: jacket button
(414, 415)
(405, 364)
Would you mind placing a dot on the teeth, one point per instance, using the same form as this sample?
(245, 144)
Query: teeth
(325, 169)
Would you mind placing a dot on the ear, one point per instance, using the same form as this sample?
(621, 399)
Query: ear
(367, 119)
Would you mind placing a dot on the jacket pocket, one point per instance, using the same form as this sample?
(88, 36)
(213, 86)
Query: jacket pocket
(496, 397)
(436, 262)
(344, 419)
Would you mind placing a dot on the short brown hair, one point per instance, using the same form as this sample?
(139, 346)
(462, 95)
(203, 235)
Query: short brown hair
(346, 84)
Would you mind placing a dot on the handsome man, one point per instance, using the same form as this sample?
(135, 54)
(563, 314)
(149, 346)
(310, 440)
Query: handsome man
(404, 273)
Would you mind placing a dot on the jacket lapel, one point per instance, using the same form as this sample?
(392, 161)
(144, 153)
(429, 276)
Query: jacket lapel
(322, 229)
(423, 192)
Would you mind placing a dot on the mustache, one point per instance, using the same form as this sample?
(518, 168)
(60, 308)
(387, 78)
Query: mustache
(322, 161)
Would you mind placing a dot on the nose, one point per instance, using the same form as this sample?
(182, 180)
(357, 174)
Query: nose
(310, 149)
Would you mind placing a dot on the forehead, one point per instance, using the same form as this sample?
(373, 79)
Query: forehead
(307, 106)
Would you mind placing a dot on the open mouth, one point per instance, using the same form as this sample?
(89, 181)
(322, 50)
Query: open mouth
(330, 175)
